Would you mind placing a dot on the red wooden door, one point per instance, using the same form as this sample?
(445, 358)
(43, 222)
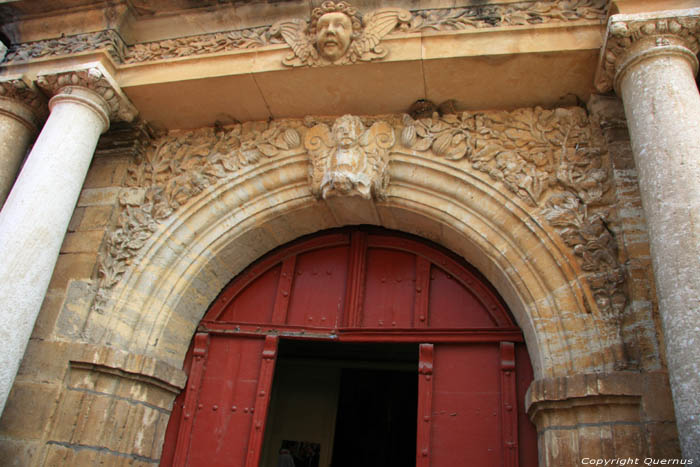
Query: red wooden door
(360, 286)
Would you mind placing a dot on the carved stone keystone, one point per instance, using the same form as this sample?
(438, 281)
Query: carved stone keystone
(349, 160)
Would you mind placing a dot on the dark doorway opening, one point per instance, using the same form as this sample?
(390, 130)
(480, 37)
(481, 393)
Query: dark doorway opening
(376, 419)
(342, 405)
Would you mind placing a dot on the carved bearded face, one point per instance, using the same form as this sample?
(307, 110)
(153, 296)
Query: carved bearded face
(333, 34)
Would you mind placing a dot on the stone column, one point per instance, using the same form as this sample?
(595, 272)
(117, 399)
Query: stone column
(22, 110)
(650, 59)
(36, 214)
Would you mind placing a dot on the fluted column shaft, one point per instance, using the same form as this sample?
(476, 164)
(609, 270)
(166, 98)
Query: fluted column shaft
(655, 76)
(36, 214)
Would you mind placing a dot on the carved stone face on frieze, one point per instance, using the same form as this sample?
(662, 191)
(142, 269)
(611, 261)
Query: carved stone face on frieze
(338, 35)
(333, 35)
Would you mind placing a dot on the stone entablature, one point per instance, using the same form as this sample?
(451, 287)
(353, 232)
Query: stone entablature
(376, 24)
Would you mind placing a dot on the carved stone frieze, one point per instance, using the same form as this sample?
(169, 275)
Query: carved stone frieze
(529, 150)
(513, 14)
(551, 159)
(96, 79)
(349, 159)
(25, 92)
(108, 40)
(368, 31)
(678, 28)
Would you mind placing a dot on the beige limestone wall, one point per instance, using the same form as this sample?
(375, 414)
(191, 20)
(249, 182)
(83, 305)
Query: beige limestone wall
(97, 381)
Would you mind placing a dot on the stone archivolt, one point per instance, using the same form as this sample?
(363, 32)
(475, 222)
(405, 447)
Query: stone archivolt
(551, 159)
(472, 17)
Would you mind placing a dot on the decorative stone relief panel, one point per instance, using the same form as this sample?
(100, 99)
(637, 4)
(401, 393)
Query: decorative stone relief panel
(552, 160)
(368, 31)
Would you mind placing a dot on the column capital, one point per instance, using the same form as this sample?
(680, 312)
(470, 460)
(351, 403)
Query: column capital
(631, 38)
(95, 77)
(22, 100)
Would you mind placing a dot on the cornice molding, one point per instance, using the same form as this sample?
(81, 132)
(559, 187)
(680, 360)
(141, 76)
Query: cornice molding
(418, 21)
(664, 32)
(92, 76)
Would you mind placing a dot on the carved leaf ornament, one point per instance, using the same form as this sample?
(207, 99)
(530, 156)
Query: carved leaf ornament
(368, 33)
(551, 159)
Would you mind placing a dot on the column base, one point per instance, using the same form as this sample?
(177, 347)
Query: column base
(603, 416)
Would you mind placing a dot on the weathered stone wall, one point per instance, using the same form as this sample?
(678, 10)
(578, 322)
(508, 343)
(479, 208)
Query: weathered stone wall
(165, 221)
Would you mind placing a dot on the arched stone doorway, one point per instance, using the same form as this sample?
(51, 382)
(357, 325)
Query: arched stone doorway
(370, 299)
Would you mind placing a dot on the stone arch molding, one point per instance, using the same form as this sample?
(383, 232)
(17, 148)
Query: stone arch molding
(521, 195)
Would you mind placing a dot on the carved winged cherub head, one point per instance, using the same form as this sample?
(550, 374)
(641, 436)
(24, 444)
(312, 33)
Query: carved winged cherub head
(334, 26)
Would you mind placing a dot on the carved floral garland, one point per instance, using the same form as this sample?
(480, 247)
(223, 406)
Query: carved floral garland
(471, 17)
(551, 159)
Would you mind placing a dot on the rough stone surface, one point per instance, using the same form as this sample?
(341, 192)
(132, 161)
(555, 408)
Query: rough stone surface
(663, 108)
(188, 210)
(35, 218)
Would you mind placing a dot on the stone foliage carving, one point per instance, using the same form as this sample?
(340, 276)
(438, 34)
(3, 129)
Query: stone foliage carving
(177, 167)
(551, 159)
(337, 35)
(200, 44)
(471, 17)
(92, 78)
(102, 40)
(528, 150)
(624, 30)
(26, 93)
(349, 159)
(514, 14)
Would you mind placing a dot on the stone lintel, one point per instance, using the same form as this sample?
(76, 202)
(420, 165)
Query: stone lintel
(93, 76)
(625, 32)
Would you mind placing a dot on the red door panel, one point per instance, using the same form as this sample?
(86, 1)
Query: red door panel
(225, 408)
(465, 416)
(255, 303)
(318, 289)
(454, 306)
(360, 286)
(390, 283)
